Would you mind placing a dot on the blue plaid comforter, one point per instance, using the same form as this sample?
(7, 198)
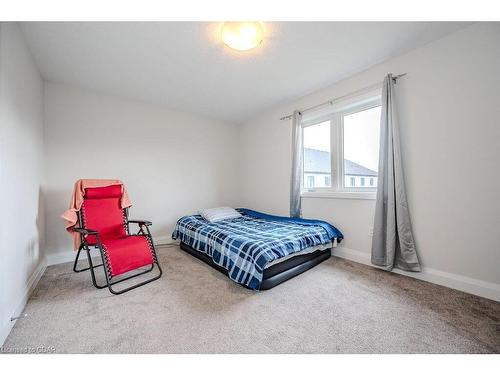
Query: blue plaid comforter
(245, 245)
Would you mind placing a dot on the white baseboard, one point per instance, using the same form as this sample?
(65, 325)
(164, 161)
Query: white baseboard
(163, 240)
(477, 287)
(30, 286)
(58, 258)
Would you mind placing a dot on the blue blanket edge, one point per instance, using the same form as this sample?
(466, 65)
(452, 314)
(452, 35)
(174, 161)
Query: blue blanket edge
(330, 229)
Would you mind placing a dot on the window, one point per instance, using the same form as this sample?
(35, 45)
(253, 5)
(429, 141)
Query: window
(361, 143)
(341, 146)
(317, 155)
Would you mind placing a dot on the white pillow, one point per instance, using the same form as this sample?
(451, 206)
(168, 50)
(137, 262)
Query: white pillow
(213, 215)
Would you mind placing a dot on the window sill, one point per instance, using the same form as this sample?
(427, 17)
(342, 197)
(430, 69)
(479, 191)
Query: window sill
(370, 195)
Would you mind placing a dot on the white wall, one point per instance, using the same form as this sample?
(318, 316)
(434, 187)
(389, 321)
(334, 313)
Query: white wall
(450, 119)
(172, 163)
(21, 171)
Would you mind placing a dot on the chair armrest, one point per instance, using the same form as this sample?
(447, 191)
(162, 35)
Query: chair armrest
(85, 231)
(141, 222)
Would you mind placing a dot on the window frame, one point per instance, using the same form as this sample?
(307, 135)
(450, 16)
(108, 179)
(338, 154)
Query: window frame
(335, 115)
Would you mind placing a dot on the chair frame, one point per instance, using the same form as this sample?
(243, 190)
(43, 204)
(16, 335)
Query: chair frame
(84, 232)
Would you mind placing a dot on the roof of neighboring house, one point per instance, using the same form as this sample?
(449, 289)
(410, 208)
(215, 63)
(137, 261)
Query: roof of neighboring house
(318, 161)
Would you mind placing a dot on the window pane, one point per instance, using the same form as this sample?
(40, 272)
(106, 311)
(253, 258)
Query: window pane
(361, 146)
(317, 158)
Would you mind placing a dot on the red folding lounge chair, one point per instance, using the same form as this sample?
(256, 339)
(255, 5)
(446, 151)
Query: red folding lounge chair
(104, 225)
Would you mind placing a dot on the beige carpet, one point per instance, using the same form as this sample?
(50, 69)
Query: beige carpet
(337, 307)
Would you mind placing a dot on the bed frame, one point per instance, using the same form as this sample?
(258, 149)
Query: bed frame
(276, 274)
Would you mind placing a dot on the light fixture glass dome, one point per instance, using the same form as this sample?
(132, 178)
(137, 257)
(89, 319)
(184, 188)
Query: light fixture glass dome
(242, 36)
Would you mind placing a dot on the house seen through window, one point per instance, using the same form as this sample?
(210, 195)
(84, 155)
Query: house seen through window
(341, 150)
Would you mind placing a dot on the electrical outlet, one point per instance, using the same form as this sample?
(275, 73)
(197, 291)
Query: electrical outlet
(370, 230)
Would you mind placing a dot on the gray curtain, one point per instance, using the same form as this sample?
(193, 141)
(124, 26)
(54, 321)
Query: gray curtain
(392, 244)
(297, 165)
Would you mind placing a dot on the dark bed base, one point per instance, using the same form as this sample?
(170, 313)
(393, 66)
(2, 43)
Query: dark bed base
(276, 274)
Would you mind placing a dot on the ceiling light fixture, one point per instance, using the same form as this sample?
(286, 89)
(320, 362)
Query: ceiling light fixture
(242, 36)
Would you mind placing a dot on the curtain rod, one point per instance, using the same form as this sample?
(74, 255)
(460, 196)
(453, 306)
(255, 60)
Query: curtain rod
(331, 101)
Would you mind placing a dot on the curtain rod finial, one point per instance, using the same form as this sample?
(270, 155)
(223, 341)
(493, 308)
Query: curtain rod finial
(395, 78)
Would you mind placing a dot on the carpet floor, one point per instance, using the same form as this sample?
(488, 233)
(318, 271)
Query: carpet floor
(337, 307)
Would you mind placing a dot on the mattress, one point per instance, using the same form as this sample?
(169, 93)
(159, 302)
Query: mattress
(308, 250)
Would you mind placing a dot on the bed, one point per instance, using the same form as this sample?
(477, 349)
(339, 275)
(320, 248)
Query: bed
(257, 250)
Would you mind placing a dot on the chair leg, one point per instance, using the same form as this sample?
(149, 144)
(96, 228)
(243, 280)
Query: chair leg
(82, 247)
(92, 273)
(76, 259)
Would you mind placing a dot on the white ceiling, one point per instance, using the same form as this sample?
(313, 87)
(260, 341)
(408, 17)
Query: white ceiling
(184, 66)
